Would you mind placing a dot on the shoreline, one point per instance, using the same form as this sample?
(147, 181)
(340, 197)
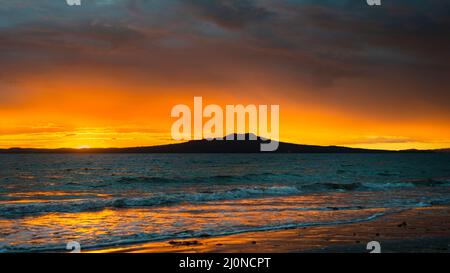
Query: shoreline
(424, 229)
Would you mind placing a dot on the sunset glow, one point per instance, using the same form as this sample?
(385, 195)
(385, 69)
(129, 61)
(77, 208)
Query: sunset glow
(111, 80)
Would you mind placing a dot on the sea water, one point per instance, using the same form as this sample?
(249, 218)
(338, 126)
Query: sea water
(99, 200)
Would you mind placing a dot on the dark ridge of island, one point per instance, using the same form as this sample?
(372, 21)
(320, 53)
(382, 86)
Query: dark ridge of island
(215, 146)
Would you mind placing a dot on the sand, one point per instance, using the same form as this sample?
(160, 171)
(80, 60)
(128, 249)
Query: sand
(424, 229)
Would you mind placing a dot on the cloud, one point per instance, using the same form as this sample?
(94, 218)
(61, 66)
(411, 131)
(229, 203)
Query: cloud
(383, 140)
(335, 52)
(232, 14)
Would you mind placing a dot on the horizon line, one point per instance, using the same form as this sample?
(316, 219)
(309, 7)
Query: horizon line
(87, 149)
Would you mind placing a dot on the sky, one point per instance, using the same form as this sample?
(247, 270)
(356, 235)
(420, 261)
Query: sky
(107, 73)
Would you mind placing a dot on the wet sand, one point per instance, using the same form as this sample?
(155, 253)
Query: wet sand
(416, 230)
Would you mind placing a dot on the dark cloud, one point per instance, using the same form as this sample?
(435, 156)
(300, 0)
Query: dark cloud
(233, 14)
(399, 52)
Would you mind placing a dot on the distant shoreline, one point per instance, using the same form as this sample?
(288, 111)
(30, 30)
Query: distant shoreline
(211, 147)
(214, 146)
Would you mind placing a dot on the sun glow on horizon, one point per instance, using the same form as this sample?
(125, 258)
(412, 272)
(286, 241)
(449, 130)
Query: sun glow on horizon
(81, 147)
(117, 121)
(99, 112)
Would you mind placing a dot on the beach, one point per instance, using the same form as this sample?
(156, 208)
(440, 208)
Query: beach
(419, 230)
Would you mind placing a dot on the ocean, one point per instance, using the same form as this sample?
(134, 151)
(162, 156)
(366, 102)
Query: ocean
(101, 200)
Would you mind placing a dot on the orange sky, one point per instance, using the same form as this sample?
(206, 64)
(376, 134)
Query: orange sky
(103, 112)
(78, 79)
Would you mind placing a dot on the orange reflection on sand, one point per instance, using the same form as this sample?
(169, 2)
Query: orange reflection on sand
(335, 238)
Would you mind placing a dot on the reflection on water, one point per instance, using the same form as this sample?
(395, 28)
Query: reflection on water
(141, 224)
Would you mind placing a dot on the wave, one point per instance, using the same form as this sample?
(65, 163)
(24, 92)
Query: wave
(152, 237)
(376, 185)
(165, 199)
(429, 182)
(257, 177)
(20, 209)
(334, 186)
(283, 178)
